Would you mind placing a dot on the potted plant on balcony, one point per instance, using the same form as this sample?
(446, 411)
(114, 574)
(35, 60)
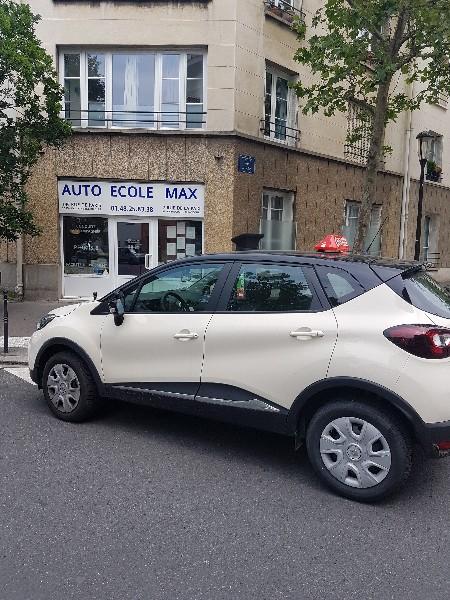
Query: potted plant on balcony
(274, 8)
(434, 172)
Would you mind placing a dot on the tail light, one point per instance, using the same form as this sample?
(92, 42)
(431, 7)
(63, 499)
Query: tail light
(421, 340)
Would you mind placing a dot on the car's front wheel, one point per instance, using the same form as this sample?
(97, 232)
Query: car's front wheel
(359, 451)
(68, 388)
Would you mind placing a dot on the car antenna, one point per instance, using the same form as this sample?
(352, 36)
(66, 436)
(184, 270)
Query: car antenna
(95, 294)
(376, 235)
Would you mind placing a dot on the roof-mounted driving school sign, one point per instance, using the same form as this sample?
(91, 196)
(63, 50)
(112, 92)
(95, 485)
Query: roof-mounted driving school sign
(131, 198)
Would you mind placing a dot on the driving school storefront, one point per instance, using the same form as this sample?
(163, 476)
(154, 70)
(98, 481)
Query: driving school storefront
(111, 231)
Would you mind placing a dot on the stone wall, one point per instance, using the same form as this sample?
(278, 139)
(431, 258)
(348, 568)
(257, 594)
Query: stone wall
(233, 200)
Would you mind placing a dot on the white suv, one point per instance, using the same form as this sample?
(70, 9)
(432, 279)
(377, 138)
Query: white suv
(350, 355)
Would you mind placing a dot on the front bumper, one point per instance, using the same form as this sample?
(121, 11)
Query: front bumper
(34, 376)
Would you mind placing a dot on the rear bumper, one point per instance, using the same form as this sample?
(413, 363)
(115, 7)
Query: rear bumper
(432, 435)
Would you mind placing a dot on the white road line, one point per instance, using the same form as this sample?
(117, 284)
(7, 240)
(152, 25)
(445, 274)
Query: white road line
(16, 342)
(21, 372)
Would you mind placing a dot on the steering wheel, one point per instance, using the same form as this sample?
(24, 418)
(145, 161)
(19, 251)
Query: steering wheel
(165, 304)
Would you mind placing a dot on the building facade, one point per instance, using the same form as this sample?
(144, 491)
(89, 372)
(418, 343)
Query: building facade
(186, 133)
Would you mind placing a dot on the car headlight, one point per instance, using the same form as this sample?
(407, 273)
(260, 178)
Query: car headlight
(45, 320)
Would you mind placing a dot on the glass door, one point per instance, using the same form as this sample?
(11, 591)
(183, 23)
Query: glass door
(132, 249)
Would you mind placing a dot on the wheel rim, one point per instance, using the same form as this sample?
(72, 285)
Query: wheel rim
(355, 452)
(63, 388)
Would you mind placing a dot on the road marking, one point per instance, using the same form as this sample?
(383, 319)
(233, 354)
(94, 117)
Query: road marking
(21, 372)
(16, 342)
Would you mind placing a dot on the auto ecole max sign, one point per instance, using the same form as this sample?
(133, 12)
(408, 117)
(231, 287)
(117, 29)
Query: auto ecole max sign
(131, 198)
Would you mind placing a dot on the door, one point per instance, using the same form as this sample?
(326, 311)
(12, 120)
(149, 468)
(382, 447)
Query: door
(273, 337)
(161, 340)
(132, 249)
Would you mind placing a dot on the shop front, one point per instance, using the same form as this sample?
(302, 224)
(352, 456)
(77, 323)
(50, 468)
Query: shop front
(112, 231)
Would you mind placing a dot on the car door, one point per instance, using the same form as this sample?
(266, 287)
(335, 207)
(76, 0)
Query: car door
(271, 335)
(160, 344)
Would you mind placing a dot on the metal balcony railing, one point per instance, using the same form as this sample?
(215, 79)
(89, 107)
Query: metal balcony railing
(135, 119)
(284, 10)
(279, 132)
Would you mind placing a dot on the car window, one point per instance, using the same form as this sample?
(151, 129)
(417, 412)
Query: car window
(423, 292)
(340, 286)
(182, 289)
(268, 288)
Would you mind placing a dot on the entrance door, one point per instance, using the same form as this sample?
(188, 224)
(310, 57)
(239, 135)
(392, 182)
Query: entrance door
(132, 249)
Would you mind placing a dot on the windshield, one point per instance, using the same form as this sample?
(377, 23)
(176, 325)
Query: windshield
(423, 292)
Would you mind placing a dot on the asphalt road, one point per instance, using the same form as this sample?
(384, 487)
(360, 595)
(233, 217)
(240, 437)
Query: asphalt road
(147, 505)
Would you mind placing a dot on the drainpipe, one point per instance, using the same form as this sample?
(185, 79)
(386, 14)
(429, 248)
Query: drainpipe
(406, 178)
(19, 267)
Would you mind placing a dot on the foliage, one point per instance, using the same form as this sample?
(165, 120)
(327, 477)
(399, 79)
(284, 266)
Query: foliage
(30, 103)
(364, 52)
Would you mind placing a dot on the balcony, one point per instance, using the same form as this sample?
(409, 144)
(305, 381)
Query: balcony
(284, 11)
(137, 119)
(277, 131)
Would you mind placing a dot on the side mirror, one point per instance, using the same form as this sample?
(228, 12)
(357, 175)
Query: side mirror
(117, 308)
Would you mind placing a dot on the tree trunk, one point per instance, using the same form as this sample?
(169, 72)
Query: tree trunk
(373, 165)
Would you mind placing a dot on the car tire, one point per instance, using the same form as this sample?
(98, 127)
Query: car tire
(358, 450)
(69, 388)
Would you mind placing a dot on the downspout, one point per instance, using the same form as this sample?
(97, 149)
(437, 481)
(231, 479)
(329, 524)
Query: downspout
(19, 267)
(406, 178)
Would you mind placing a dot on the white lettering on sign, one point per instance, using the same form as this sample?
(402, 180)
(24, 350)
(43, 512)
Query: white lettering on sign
(131, 198)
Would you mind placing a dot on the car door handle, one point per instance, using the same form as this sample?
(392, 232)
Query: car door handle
(310, 333)
(186, 335)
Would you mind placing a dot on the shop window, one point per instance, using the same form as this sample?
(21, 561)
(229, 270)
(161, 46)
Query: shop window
(182, 289)
(265, 288)
(156, 90)
(277, 221)
(351, 221)
(178, 239)
(280, 108)
(86, 245)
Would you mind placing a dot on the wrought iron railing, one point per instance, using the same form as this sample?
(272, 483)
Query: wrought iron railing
(135, 119)
(284, 9)
(279, 132)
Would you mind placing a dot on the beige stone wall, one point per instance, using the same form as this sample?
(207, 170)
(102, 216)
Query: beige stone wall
(134, 157)
(321, 187)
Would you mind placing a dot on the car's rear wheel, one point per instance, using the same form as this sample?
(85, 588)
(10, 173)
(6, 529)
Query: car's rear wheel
(359, 451)
(68, 387)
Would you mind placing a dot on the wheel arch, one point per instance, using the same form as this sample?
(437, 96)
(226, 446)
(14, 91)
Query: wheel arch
(56, 345)
(318, 394)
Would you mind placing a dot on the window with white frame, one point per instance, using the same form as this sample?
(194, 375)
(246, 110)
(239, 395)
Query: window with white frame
(120, 88)
(277, 220)
(372, 243)
(279, 107)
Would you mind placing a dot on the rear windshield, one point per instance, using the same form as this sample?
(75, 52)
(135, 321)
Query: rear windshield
(423, 292)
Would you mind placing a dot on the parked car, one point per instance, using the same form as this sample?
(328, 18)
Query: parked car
(349, 355)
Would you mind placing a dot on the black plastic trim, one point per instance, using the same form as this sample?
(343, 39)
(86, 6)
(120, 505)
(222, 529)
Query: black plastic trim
(426, 434)
(72, 346)
(213, 401)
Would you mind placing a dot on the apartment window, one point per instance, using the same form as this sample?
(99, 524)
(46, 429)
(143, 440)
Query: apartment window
(279, 113)
(430, 239)
(155, 90)
(358, 134)
(351, 222)
(277, 221)
(434, 158)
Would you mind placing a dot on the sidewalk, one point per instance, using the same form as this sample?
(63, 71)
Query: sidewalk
(22, 318)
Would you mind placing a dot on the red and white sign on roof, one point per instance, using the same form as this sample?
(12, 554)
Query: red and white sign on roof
(333, 243)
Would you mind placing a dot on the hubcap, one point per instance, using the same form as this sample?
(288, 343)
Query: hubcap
(355, 452)
(63, 388)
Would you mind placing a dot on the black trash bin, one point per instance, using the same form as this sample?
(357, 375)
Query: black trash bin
(247, 241)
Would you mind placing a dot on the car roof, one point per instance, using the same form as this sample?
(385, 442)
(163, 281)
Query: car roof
(384, 268)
